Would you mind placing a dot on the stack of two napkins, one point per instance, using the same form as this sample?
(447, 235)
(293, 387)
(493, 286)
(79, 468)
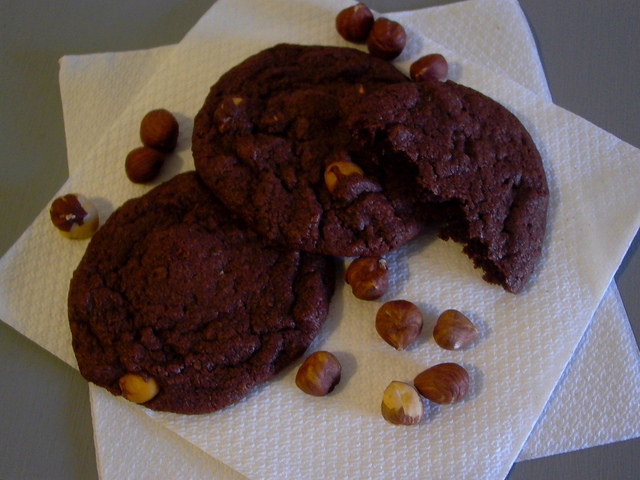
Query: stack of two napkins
(527, 340)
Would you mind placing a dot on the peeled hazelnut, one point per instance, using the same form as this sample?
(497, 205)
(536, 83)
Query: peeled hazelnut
(319, 374)
(339, 169)
(401, 404)
(429, 67)
(138, 389)
(143, 164)
(368, 277)
(354, 23)
(387, 39)
(74, 216)
(227, 113)
(454, 330)
(399, 323)
(444, 383)
(159, 129)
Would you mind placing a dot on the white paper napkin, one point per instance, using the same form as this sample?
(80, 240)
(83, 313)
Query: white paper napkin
(491, 426)
(561, 428)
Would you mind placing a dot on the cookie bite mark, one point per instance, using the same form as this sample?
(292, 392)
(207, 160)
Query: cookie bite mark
(465, 161)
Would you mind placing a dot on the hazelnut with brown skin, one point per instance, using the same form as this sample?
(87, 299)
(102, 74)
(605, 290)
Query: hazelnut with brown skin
(399, 323)
(354, 23)
(143, 164)
(401, 404)
(74, 216)
(429, 67)
(137, 388)
(368, 277)
(159, 129)
(444, 383)
(387, 39)
(319, 374)
(453, 330)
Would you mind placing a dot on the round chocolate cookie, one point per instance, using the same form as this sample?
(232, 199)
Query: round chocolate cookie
(467, 162)
(268, 130)
(174, 288)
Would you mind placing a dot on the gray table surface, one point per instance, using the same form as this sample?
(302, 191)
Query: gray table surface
(590, 51)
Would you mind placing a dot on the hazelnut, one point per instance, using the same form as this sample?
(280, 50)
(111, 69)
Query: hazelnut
(368, 277)
(386, 39)
(336, 170)
(137, 388)
(143, 164)
(429, 67)
(399, 322)
(401, 404)
(454, 330)
(354, 23)
(159, 129)
(228, 112)
(319, 374)
(444, 383)
(74, 216)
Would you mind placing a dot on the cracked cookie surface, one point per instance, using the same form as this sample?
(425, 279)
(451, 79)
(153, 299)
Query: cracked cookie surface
(468, 163)
(175, 287)
(267, 131)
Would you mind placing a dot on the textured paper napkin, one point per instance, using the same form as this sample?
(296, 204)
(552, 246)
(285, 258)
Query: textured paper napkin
(516, 364)
(561, 428)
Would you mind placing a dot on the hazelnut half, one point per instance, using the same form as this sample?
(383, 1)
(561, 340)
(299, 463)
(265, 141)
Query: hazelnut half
(387, 39)
(354, 23)
(368, 277)
(454, 330)
(444, 383)
(74, 216)
(430, 67)
(319, 374)
(399, 322)
(143, 164)
(401, 404)
(138, 389)
(336, 170)
(159, 129)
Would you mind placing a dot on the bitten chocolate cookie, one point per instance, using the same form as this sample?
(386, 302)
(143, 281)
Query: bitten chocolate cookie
(468, 162)
(268, 130)
(175, 289)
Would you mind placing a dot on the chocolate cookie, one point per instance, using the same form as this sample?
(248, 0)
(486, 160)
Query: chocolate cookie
(266, 133)
(174, 288)
(466, 161)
